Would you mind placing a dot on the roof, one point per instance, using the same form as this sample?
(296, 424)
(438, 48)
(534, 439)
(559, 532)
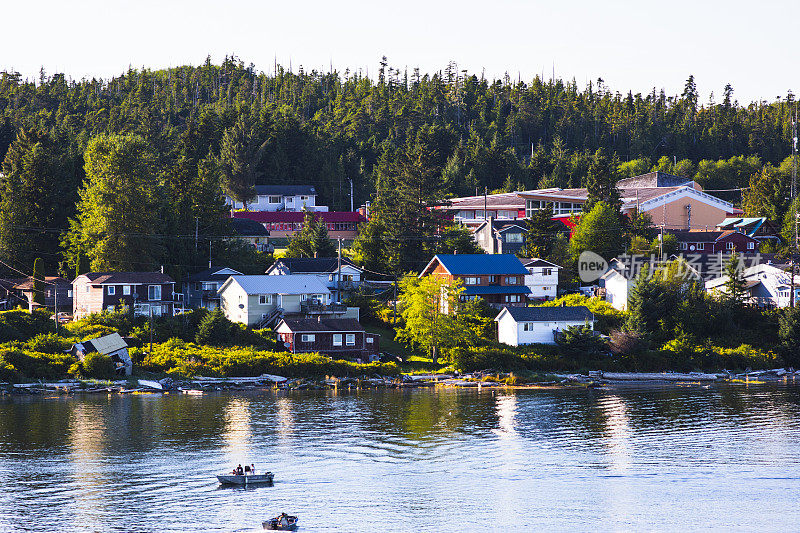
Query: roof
(503, 225)
(290, 284)
(654, 179)
(536, 262)
(248, 227)
(748, 226)
(473, 290)
(133, 278)
(478, 264)
(286, 190)
(108, 344)
(298, 216)
(507, 200)
(330, 325)
(706, 236)
(548, 314)
(214, 274)
(312, 265)
(27, 283)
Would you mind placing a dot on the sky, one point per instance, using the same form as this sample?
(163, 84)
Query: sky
(632, 45)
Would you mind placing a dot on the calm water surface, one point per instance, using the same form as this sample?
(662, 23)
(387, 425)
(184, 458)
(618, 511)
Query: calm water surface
(632, 458)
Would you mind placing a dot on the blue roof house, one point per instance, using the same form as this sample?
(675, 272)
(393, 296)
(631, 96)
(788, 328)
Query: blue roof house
(499, 279)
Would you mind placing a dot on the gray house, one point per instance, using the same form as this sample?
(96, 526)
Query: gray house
(500, 236)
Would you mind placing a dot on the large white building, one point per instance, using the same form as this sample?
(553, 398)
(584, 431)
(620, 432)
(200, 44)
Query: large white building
(281, 198)
(767, 285)
(539, 325)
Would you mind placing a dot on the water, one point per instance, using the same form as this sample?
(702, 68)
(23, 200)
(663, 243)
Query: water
(630, 458)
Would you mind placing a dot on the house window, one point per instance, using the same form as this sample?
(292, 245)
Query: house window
(472, 280)
(370, 340)
(110, 308)
(700, 245)
(512, 298)
(153, 292)
(307, 338)
(512, 280)
(264, 316)
(69, 293)
(545, 288)
(337, 339)
(729, 245)
(494, 279)
(274, 199)
(126, 290)
(531, 206)
(265, 299)
(88, 288)
(514, 237)
(751, 246)
(303, 297)
(683, 246)
(547, 272)
(351, 339)
(111, 290)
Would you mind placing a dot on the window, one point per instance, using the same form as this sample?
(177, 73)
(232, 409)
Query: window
(153, 292)
(370, 340)
(337, 339)
(126, 290)
(494, 279)
(751, 246)
(307, 338)
(700, 245)
(351, 339)
(264, 316)
(274, 199)
(512, 280)
(265, 299)
(547, 272)
(531, 206)
(513, 237)
(527, 326)
(729, 245)
(111, 290)
(303, 297)
(512, 298)
(110, 308)
(69, 293)
(88, 288)
(472, 280)
(683, 246)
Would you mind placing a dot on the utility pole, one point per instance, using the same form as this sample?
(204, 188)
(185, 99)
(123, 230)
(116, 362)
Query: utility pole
(339, 272)
(794, 193)
(196, 232)
(55, 301)
(352, 205)
(150, 306)
(485, 202)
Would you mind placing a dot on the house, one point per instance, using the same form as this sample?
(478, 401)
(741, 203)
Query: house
(112, 345)
(616, 286)
(500, 236)
(711, 242)
(9, 298)
(339, 281)
(57, 291)
(343, 337)
(539, 325)
(542, 278)
(342, 224)
(499, 279)
(758, 227)
(251, 232)
(471, 211)
(766, 284)
(263, 300)
(144, 292)
(281, 198)
(201, 288)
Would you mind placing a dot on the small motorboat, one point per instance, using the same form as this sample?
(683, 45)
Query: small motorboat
(246, 479)
(284, 522)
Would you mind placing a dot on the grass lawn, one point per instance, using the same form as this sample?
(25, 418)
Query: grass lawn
(413, 361)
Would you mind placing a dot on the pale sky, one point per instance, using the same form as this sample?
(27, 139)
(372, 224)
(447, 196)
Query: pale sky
(631, 44)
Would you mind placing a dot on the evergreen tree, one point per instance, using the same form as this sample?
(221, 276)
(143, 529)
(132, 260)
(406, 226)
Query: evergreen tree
(541, 233)
(240, 155)
(312, 240)
(735, 284)
(602, 181)
(599, 231)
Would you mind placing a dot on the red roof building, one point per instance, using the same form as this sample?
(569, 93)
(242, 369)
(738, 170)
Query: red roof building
(342, 224)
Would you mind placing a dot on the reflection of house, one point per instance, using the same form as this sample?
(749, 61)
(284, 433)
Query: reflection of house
(251, 232)
(326, 269)
(332, 337)
(711, 242)
(542, 278)
(499, 279)
(767, 285)
(144, 292)
(342, 224)
(263, 300)
(201, 289)
(500, 236)
(113, 346)
(281, 198)
(539, 325)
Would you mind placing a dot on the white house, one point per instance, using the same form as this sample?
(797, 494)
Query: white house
(542, 279)
(339, 281)
(767, 285)
(281, 198)
(539, 325)
(259, 300)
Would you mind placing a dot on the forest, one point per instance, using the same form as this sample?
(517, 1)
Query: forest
(128, 172)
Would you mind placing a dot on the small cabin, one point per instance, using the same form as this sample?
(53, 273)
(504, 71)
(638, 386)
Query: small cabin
(114, 346)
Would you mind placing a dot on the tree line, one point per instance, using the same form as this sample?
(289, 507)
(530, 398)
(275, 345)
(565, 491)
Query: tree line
(124, 172)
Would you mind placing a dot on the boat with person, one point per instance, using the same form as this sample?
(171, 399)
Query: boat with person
(246, 479)
(282, 522)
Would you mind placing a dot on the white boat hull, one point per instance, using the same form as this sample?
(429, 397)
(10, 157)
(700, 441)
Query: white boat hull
(254, 479)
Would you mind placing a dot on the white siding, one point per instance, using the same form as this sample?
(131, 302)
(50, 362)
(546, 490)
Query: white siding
(542, 285)
(513, 333)
(617, 289)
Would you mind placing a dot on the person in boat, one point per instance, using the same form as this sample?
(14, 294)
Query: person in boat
(239, 471)
(247, 470)
(252, 469)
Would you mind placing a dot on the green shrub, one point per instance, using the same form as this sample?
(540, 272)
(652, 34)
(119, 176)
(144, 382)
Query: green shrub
(23, 325)
(215, 329)
(98, 366)
(35, 365)
(49, 343)
(607, 316)
(581, 342)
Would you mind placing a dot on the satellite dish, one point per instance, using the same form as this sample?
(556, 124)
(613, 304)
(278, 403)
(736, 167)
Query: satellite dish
(691, 247)
(286, 344)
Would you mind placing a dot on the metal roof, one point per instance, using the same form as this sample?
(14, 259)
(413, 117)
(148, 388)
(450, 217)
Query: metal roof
(479, 264)
(335, 325)
(290, 284)
(311, 265)
(286, 190)
(549, 314)
(298, 216)
(108, 344)
(214, 274)
(117, 278)
(473, 290)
